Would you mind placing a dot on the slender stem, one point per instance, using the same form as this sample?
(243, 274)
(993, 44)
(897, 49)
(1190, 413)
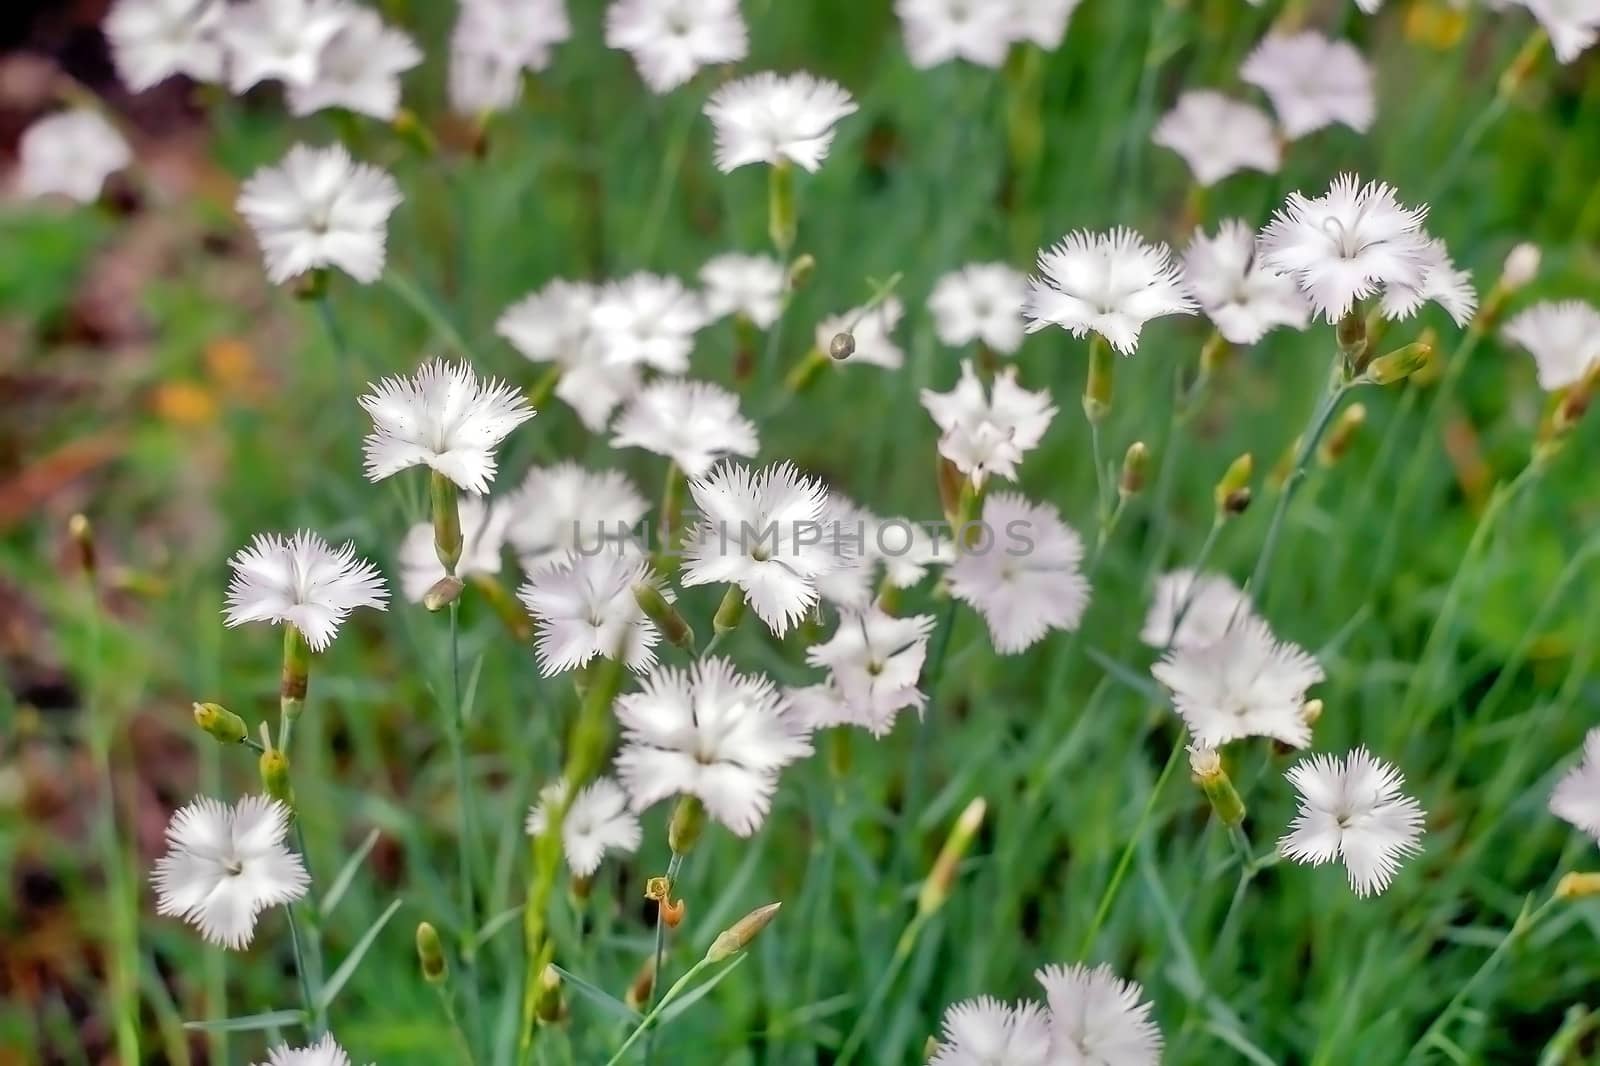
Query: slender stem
(302, 969)
(467, 837)
(880, 992)
(1098, 453)
(647, 1025)
(674, 865)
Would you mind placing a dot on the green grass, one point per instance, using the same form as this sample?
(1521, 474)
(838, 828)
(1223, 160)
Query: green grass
(1475, 674)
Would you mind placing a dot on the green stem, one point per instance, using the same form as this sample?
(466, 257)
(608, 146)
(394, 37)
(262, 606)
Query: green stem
(302, 969)
(880, 992)
(428, 309)
(467, 836)
(674, 865)
(647, 1025)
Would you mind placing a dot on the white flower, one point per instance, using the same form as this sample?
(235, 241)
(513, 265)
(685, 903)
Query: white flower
(442, 417)
(904, 549)
(359, 69)
(493, 42)
(985, 435)
(1521, 266)
(1573, 25)
(556, 325)
(483, 535)
(769, 118)
(320, 208)
(768, 533)
(1343, 246)
(712, 733)
(987, 1032)
(323, 1053)
(1108, 283)
(1440, 282)
(70, 153)
(597, 821)
(1563, 338)
(303, 582)
(672, 39)
(1244, 299)
(566, 507)
(872, 328)
(225, 865)
(1576, 798)
(1217, 136)
(1247, 683)
(981, 302)
(1209, 604)
(584, 608)
(1352, 809)
(938, 31)
(748, 285)
(875, 662)
(1370, 7)
(647, 320)
(1313, 82)
(1028, 580)
(1098, 1019)
(1041, 22)
(693, 423)
(279, 39)
(153, 40)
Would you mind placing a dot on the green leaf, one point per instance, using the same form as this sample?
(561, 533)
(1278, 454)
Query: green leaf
(347, 874)
(689, 999)
(1120, 673)
(272, 1019)
(599, 996)
(495, 924)
(347, 968)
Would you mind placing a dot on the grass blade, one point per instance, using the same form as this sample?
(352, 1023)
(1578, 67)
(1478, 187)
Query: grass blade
(347, 968)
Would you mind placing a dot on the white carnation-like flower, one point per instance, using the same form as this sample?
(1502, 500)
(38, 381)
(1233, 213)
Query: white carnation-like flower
(1353, 810)
(320, 208)
(301, 582)
(1106, 283)
(771, 118)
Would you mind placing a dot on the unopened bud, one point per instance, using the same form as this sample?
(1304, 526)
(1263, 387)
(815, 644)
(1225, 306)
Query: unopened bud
(1285, 465)
(1575, 402)
(83, 540)
(1521, 267)
(295, 678)
(800, 271)
(842, 347)
(688, 818)
(1098, 386)
(730, 612)
(1135, 469)
(443, 593)
(1213, 780)
(936, 888)
(1311, 712)
(738, 936)
(644, 982)
(1578, 886)
(1232, 494)
(1343, 434)
(445, 502)
(656, 607)
(550, 1005)
(672, 912)
(275, 776)
(1400, 363)
(1354, 343)
(219, 722)
(430, 953)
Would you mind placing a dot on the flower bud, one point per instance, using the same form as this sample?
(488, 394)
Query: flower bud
(688, 819)
(430, 953)
(936, 888)
(1311, 712)
(447, 542)
(1135, 469)
(274, 767)
(644, 982)
(800, 271)
(842, 347)
(1098, 386)
(730, 613)
(549, 1003)
(1232, 494)
(1578, 886)
(655, 606)
(83, 540)
(1337, 444)
(1354, 344)
(295, 678)
(1521, 267)
(1214, 782)
(443, 593)
(738, 936)
(1400, 363)
(221, 723)
(1574, 403)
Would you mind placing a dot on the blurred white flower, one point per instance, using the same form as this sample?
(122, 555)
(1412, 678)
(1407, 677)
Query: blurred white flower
(1562, 336)
(70, 153)
(748, 285)
(153, 40)
(1312, 82)
(647, 320)
(1346, 244)
(565, 507)
(1521, 266)
(279, 40)
(556, 325)
(320, 208)
(1106, 283)
(584, 608)
(693, 423)
(359, 69)
(769, 118)
(1573, 25)
(1369, 6)
(937, 31)
(766, 532)
(442, 417)
(1440, 282)
(303, 582)
(872, 328)
(1244, 299)
(1352, 809)
(672, 39)
(1098, 1018)
(1247, 683)
(987, 1032)
(988, 434)
(323, 1053)
(712, 733)
(1576, 798)
(904, 550)
(493, 42)
(1209, 604)
(1028, 580)
(1217, 136)
(981, 302)
(483, 535)
(1040, 22)
(597, 821)
(875, 661)
(225, 865)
